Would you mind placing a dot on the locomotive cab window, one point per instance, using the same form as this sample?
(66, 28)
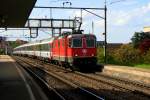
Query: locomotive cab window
(76, 42)
(90, 42)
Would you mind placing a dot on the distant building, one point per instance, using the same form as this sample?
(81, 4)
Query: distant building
(109, 45)
(20, 42)
(2, 42)
(146, 29)
(100, 43)
(3, 45)
(6, 47)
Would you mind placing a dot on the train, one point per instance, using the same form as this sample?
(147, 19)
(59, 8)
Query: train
(76, 51)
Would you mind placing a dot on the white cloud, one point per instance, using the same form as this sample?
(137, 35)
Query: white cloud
(120, 18)
(130, 2)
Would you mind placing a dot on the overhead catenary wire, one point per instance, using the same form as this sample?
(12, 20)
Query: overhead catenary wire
(117, 1)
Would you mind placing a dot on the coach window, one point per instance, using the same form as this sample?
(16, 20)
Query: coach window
(27, 48)
(33, 47)
(47, 47)
(37, 47)
(50, 47)
(30, 48)
(42, 47)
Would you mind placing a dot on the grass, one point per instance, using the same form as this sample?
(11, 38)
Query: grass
(145, 66)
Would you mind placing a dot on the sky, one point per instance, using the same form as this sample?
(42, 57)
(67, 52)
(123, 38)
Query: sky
(124, 18)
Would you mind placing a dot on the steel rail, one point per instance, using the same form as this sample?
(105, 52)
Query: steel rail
(45, 83)
(94, 96)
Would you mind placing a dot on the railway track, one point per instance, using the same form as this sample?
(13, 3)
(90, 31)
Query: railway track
(127, 82)
(64, 89)
(108, 87)
(130, 86)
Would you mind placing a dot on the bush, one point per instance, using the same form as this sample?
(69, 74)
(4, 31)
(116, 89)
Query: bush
(127, 55)
(100, 55)
(2, 51)
(146, 57)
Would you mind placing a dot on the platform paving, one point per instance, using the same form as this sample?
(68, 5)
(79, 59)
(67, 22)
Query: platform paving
(14, 84)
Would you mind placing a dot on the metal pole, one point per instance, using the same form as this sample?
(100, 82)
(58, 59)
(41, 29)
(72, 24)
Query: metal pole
(105, 43)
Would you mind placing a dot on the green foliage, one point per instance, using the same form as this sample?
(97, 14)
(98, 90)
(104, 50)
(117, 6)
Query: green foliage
(100, 55)
(13, 44)
(138, 37)
(146, 66)
(127, 55)
(146, 57)
(2, 51)
(130, 54)
(101, 58)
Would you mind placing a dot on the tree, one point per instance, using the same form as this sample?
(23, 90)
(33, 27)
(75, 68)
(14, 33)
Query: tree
(139, 37)
(146, 57)
(144, 46)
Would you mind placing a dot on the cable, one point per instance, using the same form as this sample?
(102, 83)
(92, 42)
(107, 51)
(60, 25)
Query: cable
(59, 0)
(45, 32)
(117, 1)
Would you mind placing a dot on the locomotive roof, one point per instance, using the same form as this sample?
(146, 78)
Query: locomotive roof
(80, 35)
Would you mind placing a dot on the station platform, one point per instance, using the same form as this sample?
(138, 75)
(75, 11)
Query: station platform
(16, 84)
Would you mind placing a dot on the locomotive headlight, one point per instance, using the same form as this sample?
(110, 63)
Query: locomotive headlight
(76, 55)
(92, 54)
